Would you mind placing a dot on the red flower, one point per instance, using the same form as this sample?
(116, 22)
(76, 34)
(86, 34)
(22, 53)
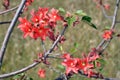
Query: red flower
(31, 30)
(40, 16)
(66, 56)
(93, 55)
(106, 6)
(41, 73)
(28, 2)
(107, 34)
(43, 32)
(42, 24)
(70, 65)
(84, 65)
(54, 16)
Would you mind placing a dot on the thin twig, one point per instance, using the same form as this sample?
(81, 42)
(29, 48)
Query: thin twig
(105, 14)
(9, 31)
(55, 43)
(43, 45)
(9, 10)
(5, 22)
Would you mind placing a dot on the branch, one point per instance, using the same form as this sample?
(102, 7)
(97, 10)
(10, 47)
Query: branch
(55, 43)
(43, 45)
(9, 31)
(18, 71)
(6, 11)
(106, 42)
(5, 22)
(105, 14)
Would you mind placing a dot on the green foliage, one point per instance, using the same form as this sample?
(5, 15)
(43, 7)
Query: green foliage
(107, 27)
(61, 67)
(88, 20)
(62, 10)
(70, 20)
(102, 64)
(80, 12)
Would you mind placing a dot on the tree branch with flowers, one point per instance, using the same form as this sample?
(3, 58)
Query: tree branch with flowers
(43, 25)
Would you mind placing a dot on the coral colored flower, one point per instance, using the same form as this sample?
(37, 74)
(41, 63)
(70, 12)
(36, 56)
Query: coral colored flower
(28, 2)
(66, 56)
(107, 34)
(106, 6)
(41, 73)
(41, 24)
(84, 65)
(93, 55)
(31, 30)
(54, 16)
(70, 65)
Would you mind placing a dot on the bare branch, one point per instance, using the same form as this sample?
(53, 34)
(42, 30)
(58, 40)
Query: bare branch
(9, 31)
(5, 22)
(105, 14)
(18, 71)
(6, 11)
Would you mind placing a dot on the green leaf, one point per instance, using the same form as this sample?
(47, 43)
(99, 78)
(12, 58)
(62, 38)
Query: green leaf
(61, 10)
(73, 50)
(76, 45)
(61, 66)
(107, 27)
(61, 48)
(70, 20)
(80, 12)
(88, 20)
(93, 25)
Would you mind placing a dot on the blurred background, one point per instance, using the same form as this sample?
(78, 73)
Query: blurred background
(22, 52)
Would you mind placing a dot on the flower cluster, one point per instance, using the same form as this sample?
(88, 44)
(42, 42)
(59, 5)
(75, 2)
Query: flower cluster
(74, 65)
(42, 23)
(41, 73)
(107, 34)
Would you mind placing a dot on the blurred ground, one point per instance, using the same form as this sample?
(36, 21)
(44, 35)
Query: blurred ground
(21, 52)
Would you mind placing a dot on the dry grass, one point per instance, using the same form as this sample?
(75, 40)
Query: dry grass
(21, 52)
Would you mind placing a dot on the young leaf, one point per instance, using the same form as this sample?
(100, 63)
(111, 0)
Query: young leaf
(61, 48)
(75, 45)
(61, 66)
(80, 12)
(62, 10)
(70, 20)
(73, 50)
(107, 27)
